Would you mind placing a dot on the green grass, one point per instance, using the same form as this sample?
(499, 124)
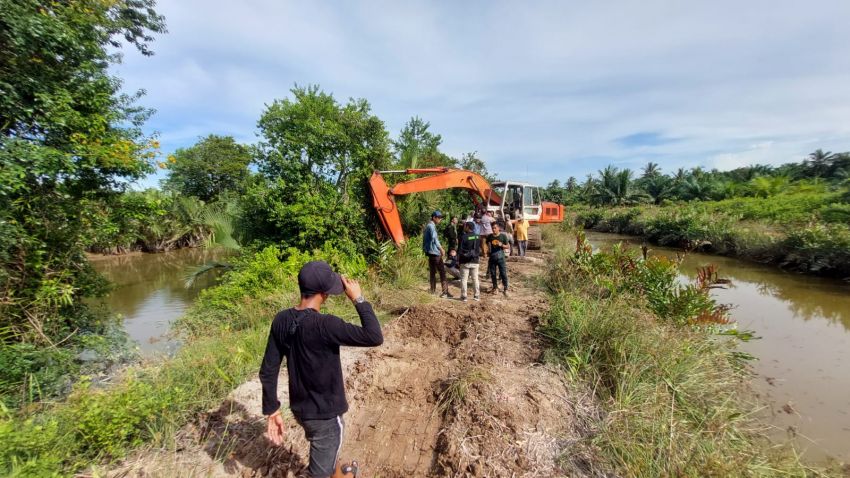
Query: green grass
(807, 232)
(675, 396)
(225, 333)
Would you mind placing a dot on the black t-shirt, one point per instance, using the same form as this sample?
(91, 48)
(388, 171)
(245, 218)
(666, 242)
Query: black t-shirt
(470, 246)
(496, 251)
(310, 342)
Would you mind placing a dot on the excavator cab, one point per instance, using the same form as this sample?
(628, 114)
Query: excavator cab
(519, 198)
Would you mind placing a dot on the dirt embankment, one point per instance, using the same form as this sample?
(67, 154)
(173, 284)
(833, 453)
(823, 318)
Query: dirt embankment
(457, 389)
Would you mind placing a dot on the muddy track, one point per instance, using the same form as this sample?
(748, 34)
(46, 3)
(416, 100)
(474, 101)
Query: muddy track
(457, 389)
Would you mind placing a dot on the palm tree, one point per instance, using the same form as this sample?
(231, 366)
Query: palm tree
(572, 184)
(697, 188)
(615, 187)
(651, 170)
(659, 188)
(765, 186)
(820, 161)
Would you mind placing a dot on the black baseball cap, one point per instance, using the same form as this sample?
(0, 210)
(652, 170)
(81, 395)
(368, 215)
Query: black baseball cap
(317, 277)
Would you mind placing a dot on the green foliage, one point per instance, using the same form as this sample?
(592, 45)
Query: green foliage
(804, 230)
(819, 248)
(227, 328)
(615, 187)
(314, 160)
(835, 213)
(690, 229)
(215, 165)
(673, 395)
(156, 221)
(416, 147)
(267, 273)
(31, 373)
(67, 138)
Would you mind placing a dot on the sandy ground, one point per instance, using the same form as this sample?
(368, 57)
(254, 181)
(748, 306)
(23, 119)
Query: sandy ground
(458, 389)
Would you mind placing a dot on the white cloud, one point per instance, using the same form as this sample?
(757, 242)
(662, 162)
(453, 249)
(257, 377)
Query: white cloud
(549, 86)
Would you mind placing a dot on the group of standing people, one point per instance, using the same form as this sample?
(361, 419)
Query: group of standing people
(480, 235)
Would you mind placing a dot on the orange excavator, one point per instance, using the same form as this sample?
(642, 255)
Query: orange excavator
(506, 199)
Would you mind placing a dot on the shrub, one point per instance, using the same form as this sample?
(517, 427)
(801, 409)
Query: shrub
(835, 213)
(819, 248)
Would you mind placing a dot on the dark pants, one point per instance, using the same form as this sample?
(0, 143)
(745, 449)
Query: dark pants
(325, 437)
(500, 265)
(435, 263)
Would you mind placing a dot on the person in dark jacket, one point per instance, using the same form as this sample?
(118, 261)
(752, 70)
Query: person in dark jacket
(470, 247)
(310, 341)
(499, 244)
(451, 234)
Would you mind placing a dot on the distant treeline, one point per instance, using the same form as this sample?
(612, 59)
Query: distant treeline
(618, 187)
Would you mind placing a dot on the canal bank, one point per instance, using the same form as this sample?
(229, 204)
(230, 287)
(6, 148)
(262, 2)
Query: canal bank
(803, 352)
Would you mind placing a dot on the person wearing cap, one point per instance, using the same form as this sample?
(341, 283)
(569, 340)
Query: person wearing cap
(310, 341)
(435, 252)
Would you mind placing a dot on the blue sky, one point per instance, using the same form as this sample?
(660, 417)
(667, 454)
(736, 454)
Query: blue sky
(541, 90)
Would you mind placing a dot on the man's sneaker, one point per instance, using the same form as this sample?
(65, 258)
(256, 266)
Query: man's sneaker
(476, 299)
(446, 295)
(505, 293)
(463, 298)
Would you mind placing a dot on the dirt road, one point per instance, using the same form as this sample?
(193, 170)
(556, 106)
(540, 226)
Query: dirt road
(457, 389)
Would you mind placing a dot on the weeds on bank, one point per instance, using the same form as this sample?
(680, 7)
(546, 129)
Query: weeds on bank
(805, 232)
(675, 396)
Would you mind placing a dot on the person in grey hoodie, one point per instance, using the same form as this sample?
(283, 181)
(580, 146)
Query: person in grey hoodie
(435, 252)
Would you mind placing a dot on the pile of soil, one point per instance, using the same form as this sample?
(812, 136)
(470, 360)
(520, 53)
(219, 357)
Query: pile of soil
(457, 389)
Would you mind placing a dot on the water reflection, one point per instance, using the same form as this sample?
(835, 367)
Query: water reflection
(149, 291)
(804, 323)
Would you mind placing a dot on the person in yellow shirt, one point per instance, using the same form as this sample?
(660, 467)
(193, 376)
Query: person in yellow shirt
(521, 234)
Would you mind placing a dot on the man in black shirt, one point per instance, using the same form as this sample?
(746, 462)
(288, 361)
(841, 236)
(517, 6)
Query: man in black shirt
(451, 234)
(310, 342)
(499, 243)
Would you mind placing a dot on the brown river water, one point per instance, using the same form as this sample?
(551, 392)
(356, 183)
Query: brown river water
(149, 292)
(803, 356)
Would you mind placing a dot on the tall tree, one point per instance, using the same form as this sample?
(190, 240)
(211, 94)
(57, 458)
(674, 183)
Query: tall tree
(67, 137)
(658, 188)
(651, 170)
(820, 162)
(214, 165)
(416, 145)
(314, 159)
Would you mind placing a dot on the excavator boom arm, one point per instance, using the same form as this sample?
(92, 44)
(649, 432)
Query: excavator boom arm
(440, 178)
